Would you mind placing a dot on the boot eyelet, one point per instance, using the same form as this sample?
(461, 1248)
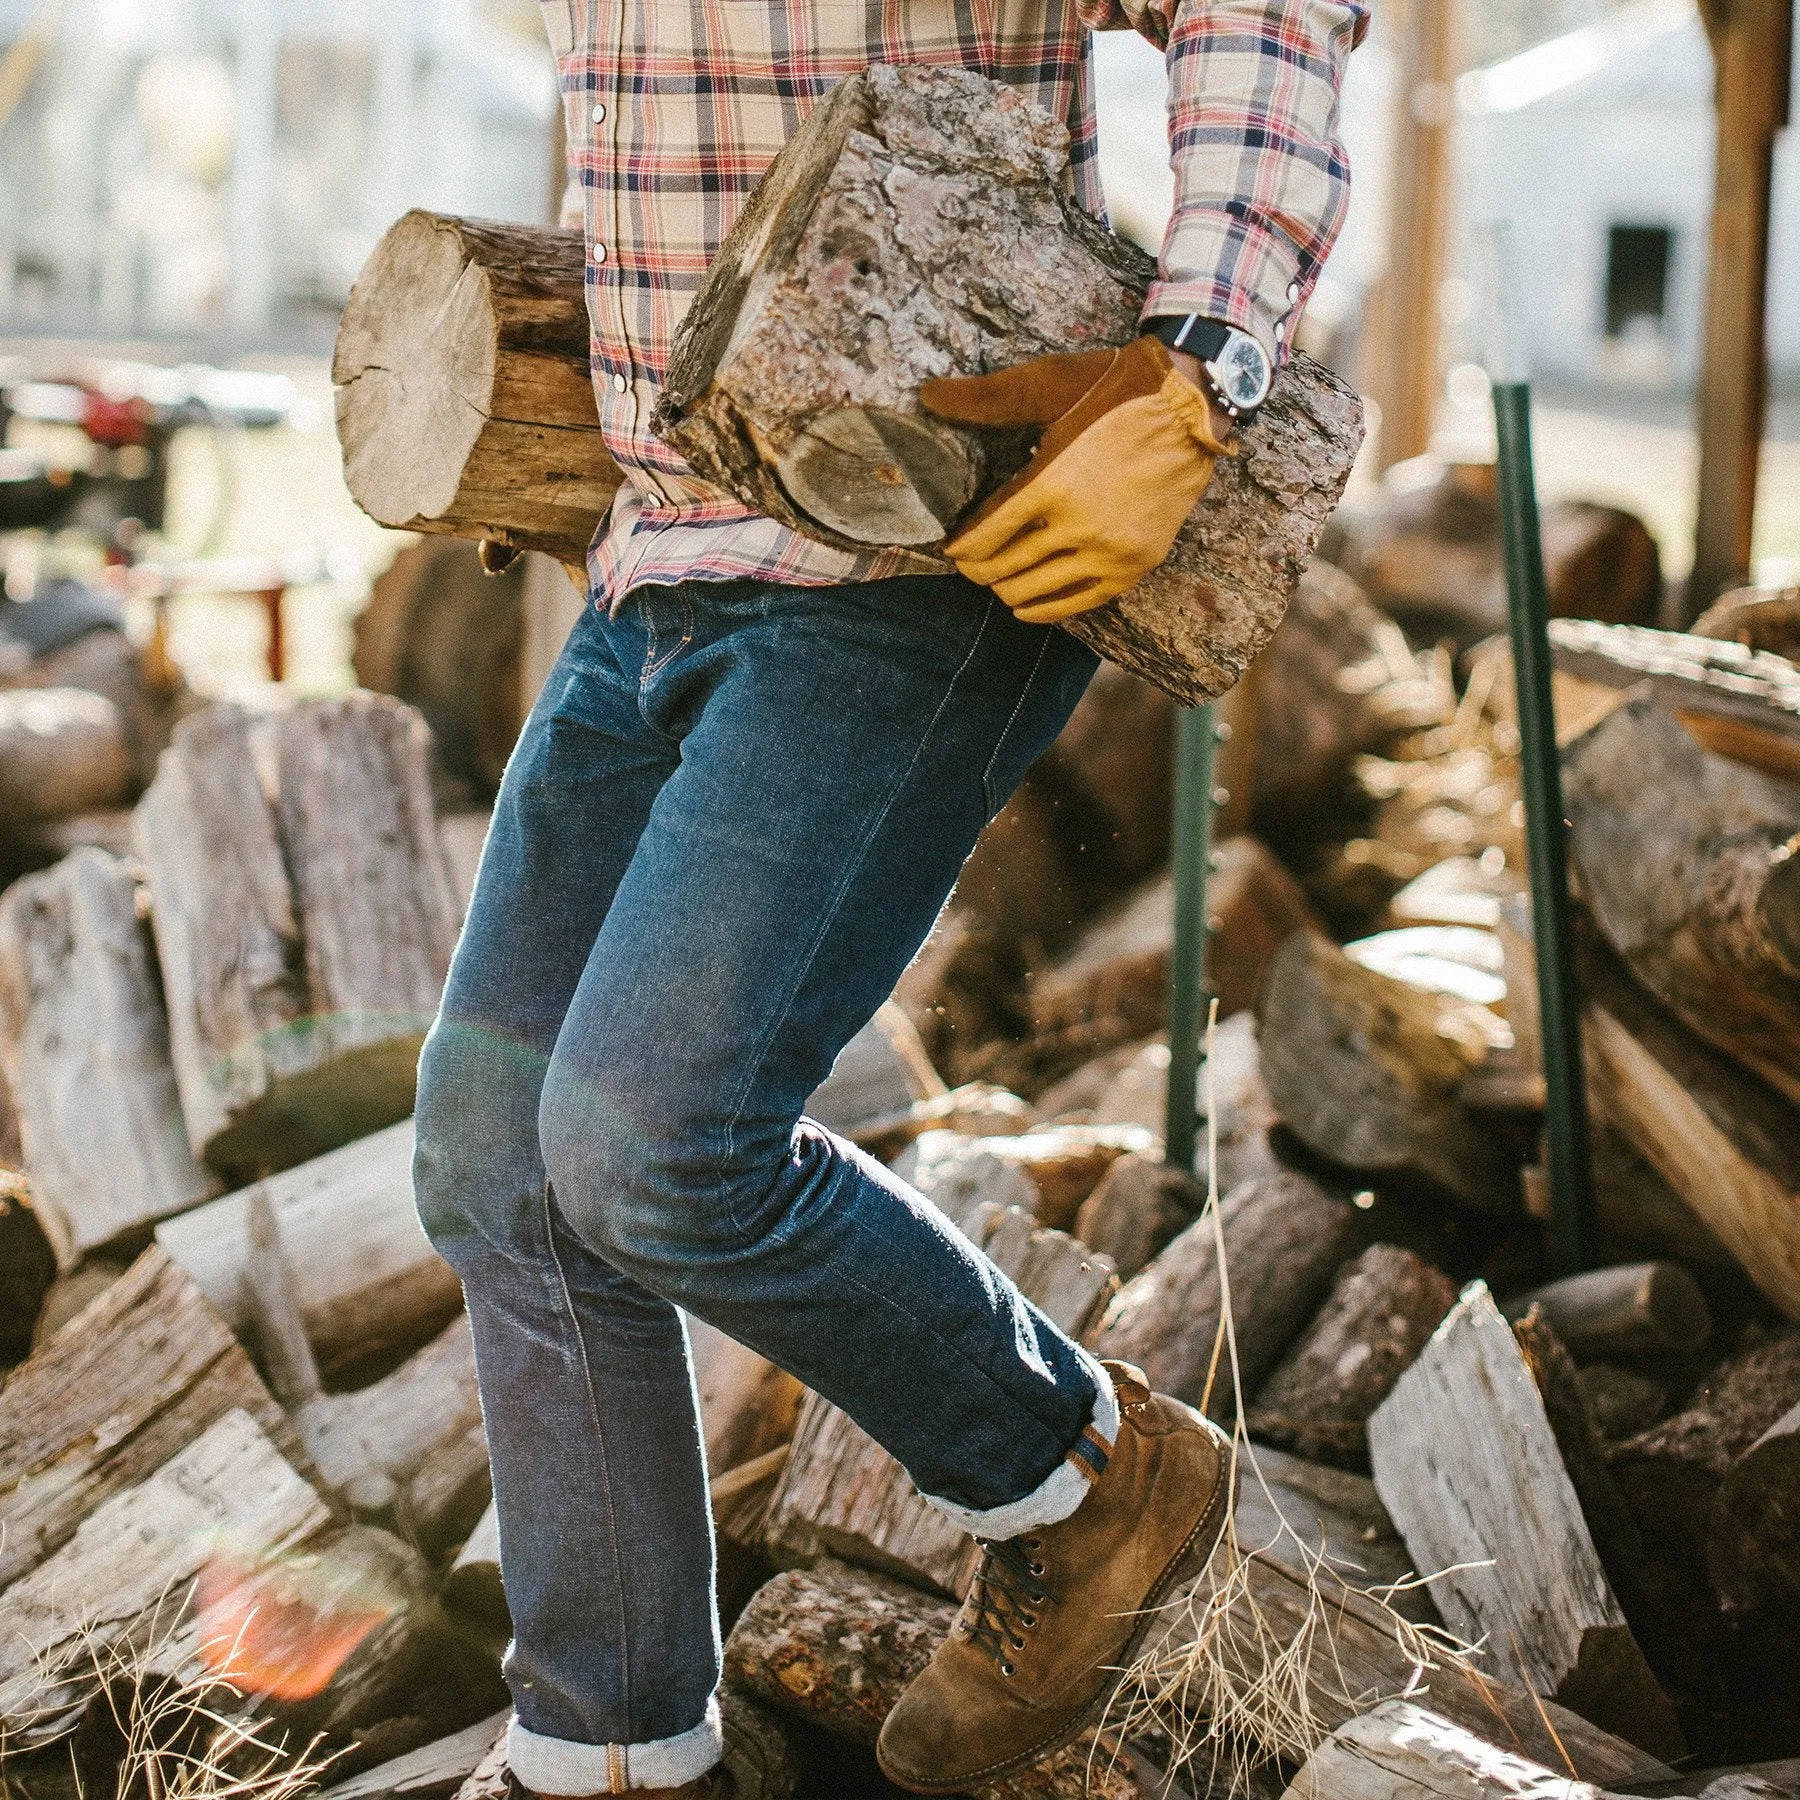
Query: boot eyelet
(1035, 1568)
(1029, 1620)
(1008, 1670)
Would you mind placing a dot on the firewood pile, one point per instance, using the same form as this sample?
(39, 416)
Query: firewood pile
(1495, 1528)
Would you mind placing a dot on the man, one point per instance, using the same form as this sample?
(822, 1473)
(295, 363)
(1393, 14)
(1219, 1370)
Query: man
(733, 815)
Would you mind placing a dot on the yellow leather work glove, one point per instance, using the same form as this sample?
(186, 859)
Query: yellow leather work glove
(1129, 447)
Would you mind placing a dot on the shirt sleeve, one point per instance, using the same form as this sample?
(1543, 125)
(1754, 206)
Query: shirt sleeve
(1261, 178)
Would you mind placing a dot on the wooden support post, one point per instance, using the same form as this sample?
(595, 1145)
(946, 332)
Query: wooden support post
(1752, 43)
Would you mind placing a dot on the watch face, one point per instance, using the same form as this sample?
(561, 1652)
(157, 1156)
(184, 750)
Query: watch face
(1242, 371)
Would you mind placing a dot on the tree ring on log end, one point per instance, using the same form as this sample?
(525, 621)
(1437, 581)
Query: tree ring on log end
(878, 476)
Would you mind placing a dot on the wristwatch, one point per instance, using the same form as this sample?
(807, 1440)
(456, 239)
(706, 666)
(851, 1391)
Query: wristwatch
(1237, 366)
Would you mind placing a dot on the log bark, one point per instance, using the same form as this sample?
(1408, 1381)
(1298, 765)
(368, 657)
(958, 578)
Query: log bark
(366, 1279)
(1688, 863)
(1725, 1142)
(842, 1494)
(917, 225)
(1633, 1309)
(1284, 1240)
(98, 1409)
(1741, 703)
(62, 751)
(85, 1044)
(304, 939)
(1467, 1464)
(1140, 1206)
(1753, 1542)
(1377, 1318)
(1400, 1751)
(1365, 1071)
(837, 1647)
(465, 401)
(27, 1267)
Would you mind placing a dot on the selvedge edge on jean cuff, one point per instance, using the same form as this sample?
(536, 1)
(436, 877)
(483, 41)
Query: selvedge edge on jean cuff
(550, 1765)
(1060, 1492)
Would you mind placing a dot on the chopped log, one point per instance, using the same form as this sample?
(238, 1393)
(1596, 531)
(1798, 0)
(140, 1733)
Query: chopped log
(1725, 1142)
(84, 1041)
(1467, 1464)
(27, 1267)
(747, 1405)
(1337, 682)
(1365, 1069)
(99, 1409)
(1064, 1163)
(837, 1647)
(1113, 985)
(465, 399)
(304, 940)
(1114, 763)
(1753, 1543)
(368, 1445)
(132, 1559)
(1740, 703)
(1140, 1205)
(1633, 1309)
(366, 1279)
(1375, 1321)
(472, 1587)
(432, 1772)
(62, 751)
(1400, 1751)
(277, 1329)
(882, 1070)
(1284, 1240)
(1688, 864)
(977, 1109)
(842, 1494)
(958, 1175)
(1622, 1402)
(72, 1294)
(795, 374)
(1671, 1474)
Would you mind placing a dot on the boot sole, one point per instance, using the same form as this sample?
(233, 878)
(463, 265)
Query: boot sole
(1195, 1553)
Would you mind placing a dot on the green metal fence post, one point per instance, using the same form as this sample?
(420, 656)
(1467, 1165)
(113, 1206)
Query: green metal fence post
(1196, 734)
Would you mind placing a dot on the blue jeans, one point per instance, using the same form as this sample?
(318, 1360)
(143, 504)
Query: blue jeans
(731, 820)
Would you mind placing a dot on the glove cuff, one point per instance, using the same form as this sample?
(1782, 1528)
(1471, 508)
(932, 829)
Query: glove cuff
(1194, 410)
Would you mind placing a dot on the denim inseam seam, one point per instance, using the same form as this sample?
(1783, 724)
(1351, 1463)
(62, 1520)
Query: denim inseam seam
(987, 774)
(593, 1403)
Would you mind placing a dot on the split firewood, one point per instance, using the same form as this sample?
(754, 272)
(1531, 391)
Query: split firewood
(465, 399)
(958, 1175)
(1113, 985)
(1687, 862)
(432, 1772)
(1400, 1751)
(1140, 1205)
(1375, 1321)
(1365, 1071)
(1337, 681)
(1757, 618)
(1634, 1309)
(747, 1404)
(1467, 1464)
(977, 1109)
(304, 940)
(1113, 766)
(99, 1409)
(795, 375)
(1285, 1238)
(1738, 702)
(472, 1588)
(62, 751)
(1622, 1401)
(1753, 1542)
(72, 1293)
(1724, 1141)
(27, 1267)
(881, 1071)
(1064, 1163)
(84, 1041)
(1671, 1475)
(837, 1647)
(366, 1278)
(842, 1494)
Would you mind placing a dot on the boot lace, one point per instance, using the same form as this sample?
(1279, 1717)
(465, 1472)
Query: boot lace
(1000, 1604)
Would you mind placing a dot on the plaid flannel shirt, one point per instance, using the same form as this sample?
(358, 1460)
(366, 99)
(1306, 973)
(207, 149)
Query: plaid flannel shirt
(673, 111)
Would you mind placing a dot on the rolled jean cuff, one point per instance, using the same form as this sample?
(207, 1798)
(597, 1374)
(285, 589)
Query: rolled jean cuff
(550, 1765)
(1060, 1492)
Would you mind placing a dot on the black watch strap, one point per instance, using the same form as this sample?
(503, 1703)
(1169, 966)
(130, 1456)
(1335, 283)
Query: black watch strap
(1198, 336)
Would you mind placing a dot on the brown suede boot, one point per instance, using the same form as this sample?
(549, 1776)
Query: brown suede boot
(1056, 1614)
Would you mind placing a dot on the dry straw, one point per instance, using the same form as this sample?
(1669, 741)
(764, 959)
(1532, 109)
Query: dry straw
(1226, 1688)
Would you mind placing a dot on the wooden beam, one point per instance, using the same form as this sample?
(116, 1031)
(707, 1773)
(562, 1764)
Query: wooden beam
(1752, 43)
